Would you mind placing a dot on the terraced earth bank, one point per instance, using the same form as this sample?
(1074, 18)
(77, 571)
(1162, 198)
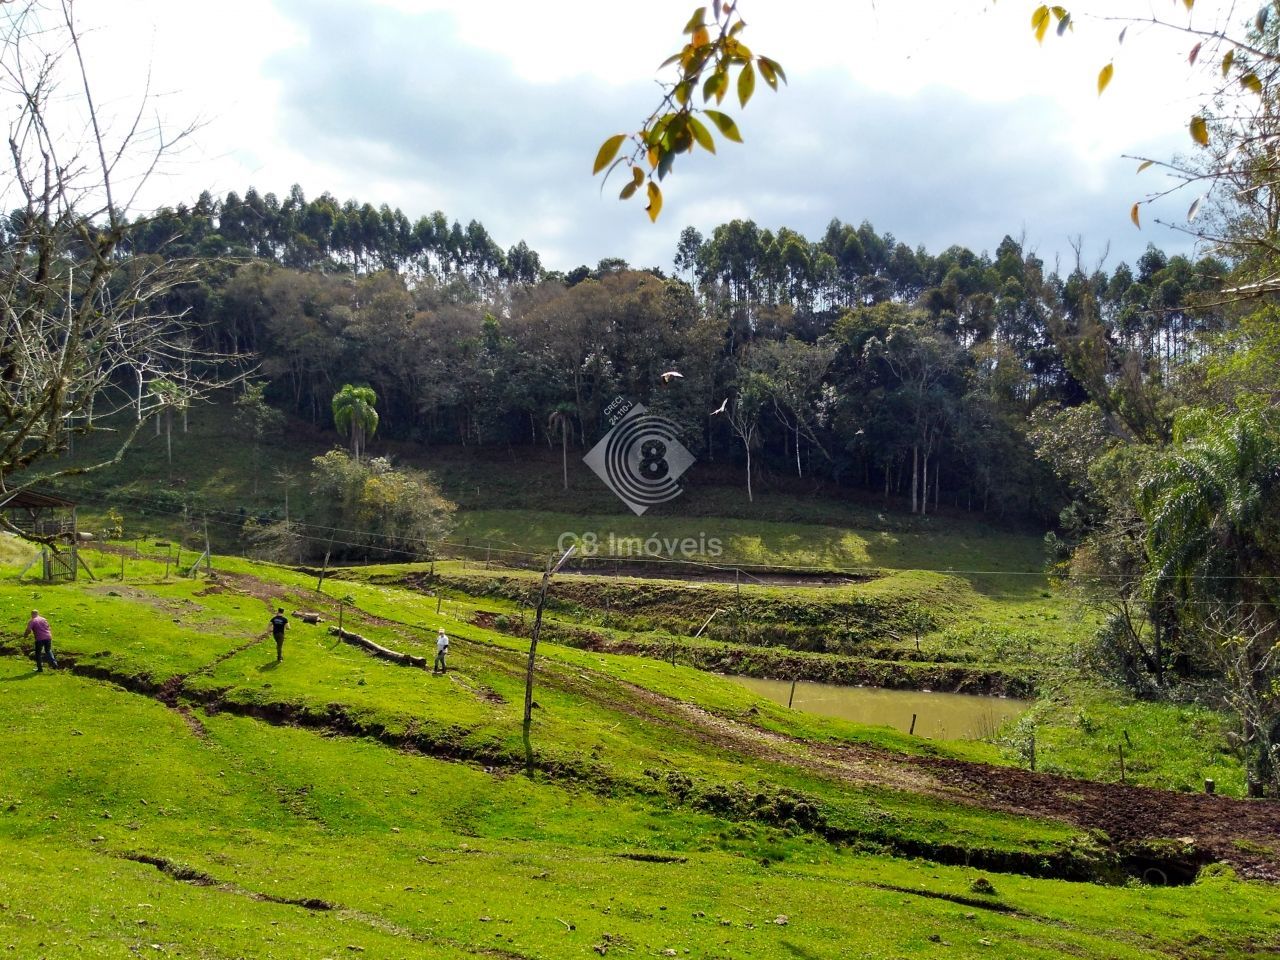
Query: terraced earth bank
(340, 804)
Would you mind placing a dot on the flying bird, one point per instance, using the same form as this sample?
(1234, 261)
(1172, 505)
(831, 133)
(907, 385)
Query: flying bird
(672, 375)
(721, 408)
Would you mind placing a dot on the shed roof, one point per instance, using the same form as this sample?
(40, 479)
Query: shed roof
(34, 500)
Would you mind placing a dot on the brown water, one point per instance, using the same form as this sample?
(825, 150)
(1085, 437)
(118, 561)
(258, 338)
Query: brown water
(939, 716)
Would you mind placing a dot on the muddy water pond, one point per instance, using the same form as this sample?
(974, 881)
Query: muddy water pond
(939, 716)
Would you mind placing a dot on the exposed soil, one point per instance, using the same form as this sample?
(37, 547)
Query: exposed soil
(697, 573)
(776, 663)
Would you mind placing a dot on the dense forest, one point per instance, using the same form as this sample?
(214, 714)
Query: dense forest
(852, 358)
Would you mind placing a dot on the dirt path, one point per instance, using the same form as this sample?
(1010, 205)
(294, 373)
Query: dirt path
(1196, 827)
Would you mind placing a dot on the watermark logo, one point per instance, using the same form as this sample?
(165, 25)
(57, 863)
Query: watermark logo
(641, 458)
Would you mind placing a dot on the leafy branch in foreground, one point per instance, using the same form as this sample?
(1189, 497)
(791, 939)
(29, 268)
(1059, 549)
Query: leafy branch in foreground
(705, 64)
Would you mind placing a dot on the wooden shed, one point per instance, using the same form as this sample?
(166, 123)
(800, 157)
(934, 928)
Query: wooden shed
(48, 516)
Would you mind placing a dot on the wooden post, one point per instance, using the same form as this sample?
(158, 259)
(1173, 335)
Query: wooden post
(1033, 751)
(324, 570)
(553, 566)
(1209, 786)
(673, 653)
(912, 731)
(533, 646)
(488, 552)
(1120, 750)
(438, 599)
(208, 554)
(791, 698)
(122, 567)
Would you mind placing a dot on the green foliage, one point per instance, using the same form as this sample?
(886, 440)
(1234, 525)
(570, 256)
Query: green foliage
(372, 510)
(354, 415)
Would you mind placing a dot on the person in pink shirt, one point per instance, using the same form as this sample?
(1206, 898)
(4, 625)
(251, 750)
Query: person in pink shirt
(38, 627)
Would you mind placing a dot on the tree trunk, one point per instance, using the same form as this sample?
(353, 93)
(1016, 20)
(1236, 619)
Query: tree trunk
(915, 476)
(924, 484)
(564, 452)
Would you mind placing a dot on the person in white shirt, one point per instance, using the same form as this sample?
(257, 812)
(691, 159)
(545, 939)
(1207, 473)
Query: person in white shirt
(442, 647)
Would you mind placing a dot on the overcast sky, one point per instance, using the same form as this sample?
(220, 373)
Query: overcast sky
(941, 122)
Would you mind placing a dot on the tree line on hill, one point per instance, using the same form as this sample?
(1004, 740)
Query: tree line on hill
(852, 358)
(1132, 408)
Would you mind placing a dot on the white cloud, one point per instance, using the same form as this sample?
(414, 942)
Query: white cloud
(938, 121)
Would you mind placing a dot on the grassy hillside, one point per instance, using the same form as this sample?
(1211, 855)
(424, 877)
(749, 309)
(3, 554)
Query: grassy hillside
(177, 792)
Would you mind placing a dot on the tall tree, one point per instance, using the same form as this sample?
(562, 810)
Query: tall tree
(354, 415)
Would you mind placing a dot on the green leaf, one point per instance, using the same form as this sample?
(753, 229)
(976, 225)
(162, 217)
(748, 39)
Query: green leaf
(628, 191)
(608, 150)
(711, 86)
(746, 83)
(1104, 77)
(1200, 131)
(728, 129)
(655, 202)
(1040, 22)
(698, 19)
(702, 135)
(1133, 215)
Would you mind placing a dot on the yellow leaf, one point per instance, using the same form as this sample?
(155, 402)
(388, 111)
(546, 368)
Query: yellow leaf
(1251, 83)
(1188, 3)
(1144, 164)
(1040, 22)
(608, 150)
(1133, 215)
(655, 202)
(728, 129)
(1200, 131)
(702, 135)
(746, 83)
(637, 176)
(1104, 77)
(628, 192)
(1227, 59)
(701, 37)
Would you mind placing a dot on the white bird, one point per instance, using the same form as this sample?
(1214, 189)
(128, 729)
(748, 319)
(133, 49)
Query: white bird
(672, 375)
(721, 408)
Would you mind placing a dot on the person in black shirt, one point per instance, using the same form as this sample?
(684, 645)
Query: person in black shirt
(278, 623)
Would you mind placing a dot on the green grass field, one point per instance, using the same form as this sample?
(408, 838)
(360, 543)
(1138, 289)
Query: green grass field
(179, 793)
(243, 821)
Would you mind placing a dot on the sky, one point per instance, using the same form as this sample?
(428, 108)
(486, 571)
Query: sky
(939, 121)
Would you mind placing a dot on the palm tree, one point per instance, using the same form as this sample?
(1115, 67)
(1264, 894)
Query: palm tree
(1209, 507)
(354, 415)
(562, 419)
(1204, 505)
